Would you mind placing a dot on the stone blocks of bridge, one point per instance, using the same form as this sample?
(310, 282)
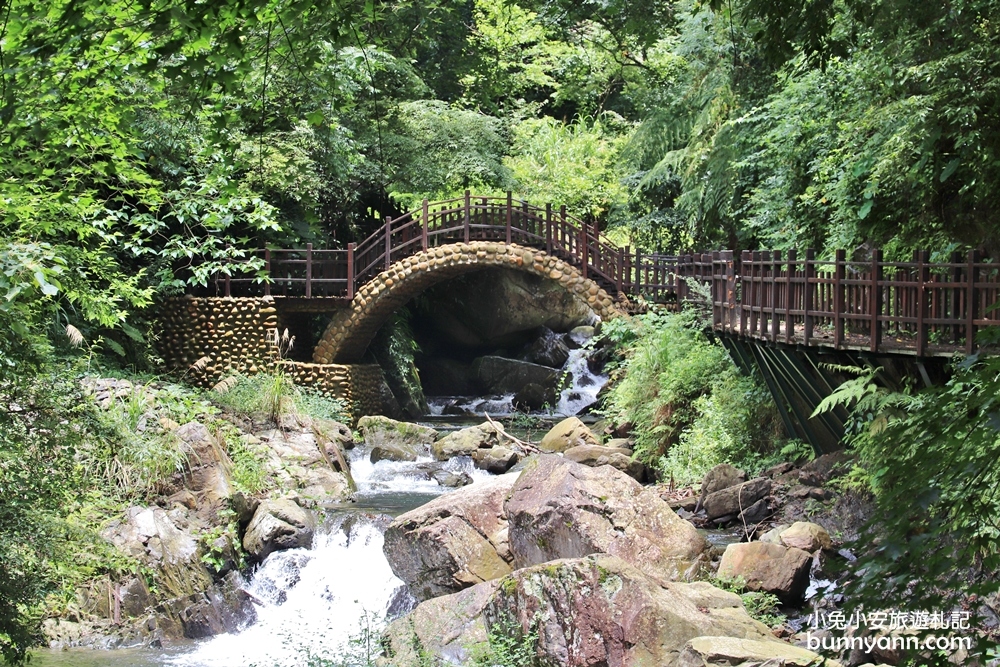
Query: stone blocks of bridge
(229, 335)
(349, 333)
(208, 339)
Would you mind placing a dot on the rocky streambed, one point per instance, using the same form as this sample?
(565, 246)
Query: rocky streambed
(450, 539)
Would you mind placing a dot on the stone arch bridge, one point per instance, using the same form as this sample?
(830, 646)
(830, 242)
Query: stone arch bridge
(777, 312)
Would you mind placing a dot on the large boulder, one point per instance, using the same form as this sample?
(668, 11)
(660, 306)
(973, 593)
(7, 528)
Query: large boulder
(466, 441)
(732, 500)
(720, 477)
(601, 610)
(589, 611)
(561, 509)
(394, 452)
(378, 430)
(298, 460)
(569, 433)
(768, 567)
(597, 455)
(823, 468)
(549, 349)
(728, 651)
(534, 397)
(447, 630)
(806, 536)
(588, 454)
(496, 460)
(496, 308)
(455, 541)
(278, 524)
(509, 376)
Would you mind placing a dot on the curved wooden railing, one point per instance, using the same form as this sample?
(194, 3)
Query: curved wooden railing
(918, 307)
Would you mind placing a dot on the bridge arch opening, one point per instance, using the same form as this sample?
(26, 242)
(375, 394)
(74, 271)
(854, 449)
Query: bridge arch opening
(475, 310)
(351, 330)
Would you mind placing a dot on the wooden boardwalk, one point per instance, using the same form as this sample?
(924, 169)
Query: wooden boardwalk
(918, 307)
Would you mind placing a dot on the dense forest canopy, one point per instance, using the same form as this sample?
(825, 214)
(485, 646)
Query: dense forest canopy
(148, 145)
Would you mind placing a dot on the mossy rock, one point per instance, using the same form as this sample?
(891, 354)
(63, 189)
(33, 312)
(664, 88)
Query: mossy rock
(379, 430)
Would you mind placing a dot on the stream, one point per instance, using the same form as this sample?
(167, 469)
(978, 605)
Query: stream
(314, 601)
(329, 602)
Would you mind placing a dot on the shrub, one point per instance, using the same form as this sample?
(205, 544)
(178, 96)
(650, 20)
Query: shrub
(688, 404)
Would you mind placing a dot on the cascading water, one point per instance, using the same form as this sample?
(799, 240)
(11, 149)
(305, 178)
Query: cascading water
(313, 601)
(324, 602)
(582, 387)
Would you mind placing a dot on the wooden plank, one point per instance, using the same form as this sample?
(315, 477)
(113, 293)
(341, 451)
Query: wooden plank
(922, 274)
(970, 303)
(466, 221)
(309, 269)
(423, 225)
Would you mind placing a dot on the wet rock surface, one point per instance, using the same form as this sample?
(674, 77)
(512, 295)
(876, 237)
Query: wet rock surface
(452, 542)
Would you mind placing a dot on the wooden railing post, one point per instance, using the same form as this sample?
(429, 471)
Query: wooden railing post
(730, 287)
(388, 243)
(809, 299)
(620, 270)
(638, 271)
(922, 278)
(424, 231)
(840, 261)
(627, 269)
(790, 295)
(350, 270)
(225, 281)
(468, 213)
(775, 293)
(548, 228)
(582, 249)
(746, 290)
(309, 270)
(875, 301)
(510, 213)
(267, 268)
(597, 246)
(970, 303)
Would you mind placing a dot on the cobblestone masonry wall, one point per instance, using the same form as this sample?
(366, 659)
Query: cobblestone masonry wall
(233, 334)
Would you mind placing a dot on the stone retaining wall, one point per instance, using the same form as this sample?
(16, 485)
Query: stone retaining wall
(232, 335)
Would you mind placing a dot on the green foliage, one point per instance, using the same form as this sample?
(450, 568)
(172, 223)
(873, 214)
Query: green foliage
(509, 645)
(269, 396)
(760, 605)
(930, 458)
(394, 348)
(735, 423)
(688, 406)
(576, 164)
(40, 477)
(448, 150)
(131, 453)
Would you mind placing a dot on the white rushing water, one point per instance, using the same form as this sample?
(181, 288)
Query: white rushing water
(317, 603)
(314, 601)
(583, 385)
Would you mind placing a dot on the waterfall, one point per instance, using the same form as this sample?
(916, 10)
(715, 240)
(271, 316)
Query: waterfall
(313, 601)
